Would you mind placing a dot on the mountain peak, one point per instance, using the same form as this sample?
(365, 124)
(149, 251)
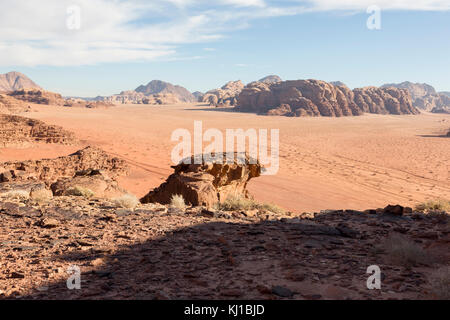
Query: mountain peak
(15, 80)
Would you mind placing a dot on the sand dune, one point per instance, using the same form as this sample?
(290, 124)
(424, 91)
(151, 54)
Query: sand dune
(351, 162)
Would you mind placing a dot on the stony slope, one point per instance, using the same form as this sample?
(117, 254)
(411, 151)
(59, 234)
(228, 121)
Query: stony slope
(158, 252)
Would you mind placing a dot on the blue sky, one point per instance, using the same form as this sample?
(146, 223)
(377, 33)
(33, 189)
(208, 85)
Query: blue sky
(203, 44)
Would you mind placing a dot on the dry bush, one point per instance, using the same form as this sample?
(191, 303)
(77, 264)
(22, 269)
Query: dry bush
(440, 283)
(434, 205)
(80, 191)
(127, 201)
(177, 201)
(402, 251)
(244, 204)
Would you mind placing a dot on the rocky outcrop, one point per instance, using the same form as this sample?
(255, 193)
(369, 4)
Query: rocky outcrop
(320, 98)
(207, 183)
(225, 96)
(39, 97)
(13, 81)
(16, 131)
(50, 170)
(95, 183)
(424, 96)
(10, 105)
(156, 87)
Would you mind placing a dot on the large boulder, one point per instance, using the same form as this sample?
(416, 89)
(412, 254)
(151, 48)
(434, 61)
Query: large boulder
(207, 183)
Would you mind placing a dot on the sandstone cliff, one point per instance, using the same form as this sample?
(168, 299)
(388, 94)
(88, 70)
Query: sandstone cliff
(225, 96)
(425, 96)
(320, 98)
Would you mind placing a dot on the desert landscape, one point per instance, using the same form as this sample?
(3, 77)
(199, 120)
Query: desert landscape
(90, 184)
(346, 160)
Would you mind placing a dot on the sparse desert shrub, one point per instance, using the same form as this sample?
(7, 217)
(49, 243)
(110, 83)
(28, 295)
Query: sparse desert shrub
(16, 195)
(434, 205)
(403, 251)
(127, 201)
(178, 202)
(244, 204)
(80, 191)
(440, 283)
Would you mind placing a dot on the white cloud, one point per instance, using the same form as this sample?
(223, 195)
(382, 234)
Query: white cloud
(36, 33)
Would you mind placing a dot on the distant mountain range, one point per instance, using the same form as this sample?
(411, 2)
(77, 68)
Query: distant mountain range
(13, 81)
(425, 96)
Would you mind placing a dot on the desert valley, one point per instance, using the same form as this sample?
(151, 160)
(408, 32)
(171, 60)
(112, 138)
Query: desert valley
(358, 168)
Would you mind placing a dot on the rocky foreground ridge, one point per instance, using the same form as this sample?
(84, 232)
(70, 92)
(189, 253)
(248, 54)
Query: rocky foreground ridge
(319, 98)
(159, 252)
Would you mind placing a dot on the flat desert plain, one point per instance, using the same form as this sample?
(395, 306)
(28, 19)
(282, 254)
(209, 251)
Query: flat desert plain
(325, 163)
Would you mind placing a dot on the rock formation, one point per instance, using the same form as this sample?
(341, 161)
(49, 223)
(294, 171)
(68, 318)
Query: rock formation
(225, 96)
(198, 96)
(96, 182)
(19, 132)
(11, 105)
(207, 183)
(156, 92)
(425, 96)
(38, 96)
(160, 87)
(13, 81)
(50, 170)
(319, 98)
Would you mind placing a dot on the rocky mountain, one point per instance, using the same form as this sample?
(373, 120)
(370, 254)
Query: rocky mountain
(270, 79)
(320, 98)
(13, 81)
(226, 95)
(155, 92)
(160, 87)
(424, 96)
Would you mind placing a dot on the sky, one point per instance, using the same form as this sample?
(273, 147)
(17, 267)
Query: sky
(88, 48)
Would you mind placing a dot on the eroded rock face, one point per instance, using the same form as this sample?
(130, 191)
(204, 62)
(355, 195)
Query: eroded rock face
(207, 183)
(19, 132)
(50, 170)
(425, 96)
(225, 96)
(320, 98)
